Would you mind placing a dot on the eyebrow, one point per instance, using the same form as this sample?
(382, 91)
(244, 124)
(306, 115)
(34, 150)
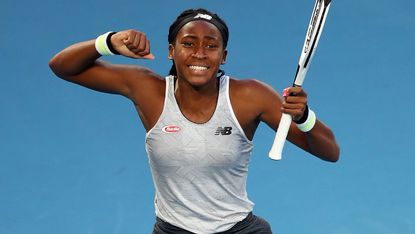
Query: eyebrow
(195, 37)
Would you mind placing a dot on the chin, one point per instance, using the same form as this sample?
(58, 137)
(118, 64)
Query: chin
(200, 80)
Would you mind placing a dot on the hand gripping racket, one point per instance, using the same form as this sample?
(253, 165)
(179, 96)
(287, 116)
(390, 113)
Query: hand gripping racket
(320, 10)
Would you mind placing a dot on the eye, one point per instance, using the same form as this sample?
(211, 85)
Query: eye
(211, 46)
(187, 44)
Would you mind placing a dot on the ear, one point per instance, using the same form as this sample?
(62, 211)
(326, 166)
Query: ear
(225, 53)
(171, 51)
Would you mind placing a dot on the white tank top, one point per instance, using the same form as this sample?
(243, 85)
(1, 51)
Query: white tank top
(199, 170)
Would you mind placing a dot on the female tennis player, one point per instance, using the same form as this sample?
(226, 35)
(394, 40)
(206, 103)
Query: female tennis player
(200, 122)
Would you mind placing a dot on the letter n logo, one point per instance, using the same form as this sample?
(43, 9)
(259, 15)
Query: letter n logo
(223, 131)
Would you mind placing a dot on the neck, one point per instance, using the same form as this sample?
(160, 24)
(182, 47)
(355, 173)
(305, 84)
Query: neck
(197, 103)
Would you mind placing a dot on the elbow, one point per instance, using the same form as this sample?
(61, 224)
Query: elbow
(61, 67)
(54, 65)
(334, 155)
(333, 159)
(329, 154)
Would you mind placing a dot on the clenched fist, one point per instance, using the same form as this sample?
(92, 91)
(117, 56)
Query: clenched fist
(132, 43)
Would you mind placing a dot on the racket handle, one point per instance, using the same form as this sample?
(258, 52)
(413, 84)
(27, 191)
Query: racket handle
(282, 131)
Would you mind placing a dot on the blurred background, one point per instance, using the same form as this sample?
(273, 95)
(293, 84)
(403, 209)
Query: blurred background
(73, 160)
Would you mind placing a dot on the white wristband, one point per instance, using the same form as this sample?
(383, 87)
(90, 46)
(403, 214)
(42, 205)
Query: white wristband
(309, 123)
(101, 44)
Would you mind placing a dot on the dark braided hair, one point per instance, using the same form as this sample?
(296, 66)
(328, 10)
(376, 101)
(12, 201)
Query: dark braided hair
(176, 25)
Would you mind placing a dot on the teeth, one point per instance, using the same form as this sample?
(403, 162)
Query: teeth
(198, 68)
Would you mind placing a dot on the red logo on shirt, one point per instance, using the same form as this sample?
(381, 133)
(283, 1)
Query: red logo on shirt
(170, 129)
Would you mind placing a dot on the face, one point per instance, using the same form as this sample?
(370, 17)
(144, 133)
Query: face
(198, 52)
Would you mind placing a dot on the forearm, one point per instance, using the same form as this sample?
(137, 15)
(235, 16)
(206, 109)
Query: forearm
(74, 59)
(320, 141)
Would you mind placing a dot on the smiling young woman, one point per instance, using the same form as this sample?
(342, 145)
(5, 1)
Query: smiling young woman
(200, 122)
(198, 52)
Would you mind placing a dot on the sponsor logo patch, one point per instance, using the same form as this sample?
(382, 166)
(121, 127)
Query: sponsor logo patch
(171, 129)
(223, 131)
(203, 16)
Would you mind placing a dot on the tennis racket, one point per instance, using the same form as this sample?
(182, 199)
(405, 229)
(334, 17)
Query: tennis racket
(318, 17)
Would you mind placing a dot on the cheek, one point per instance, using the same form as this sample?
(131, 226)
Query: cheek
(180, 55)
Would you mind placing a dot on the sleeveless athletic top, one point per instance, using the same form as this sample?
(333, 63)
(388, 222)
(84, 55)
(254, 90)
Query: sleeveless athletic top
(199, 170)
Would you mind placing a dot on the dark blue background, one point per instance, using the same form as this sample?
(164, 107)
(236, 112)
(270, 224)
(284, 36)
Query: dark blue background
(73, 160)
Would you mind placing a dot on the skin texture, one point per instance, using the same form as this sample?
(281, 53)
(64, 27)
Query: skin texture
(198, 52)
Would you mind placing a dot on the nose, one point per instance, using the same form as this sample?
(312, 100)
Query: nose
(199, 52)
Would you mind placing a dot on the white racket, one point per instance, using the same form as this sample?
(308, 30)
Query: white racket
(318, 17)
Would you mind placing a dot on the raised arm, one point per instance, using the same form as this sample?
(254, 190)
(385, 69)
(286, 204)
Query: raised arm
(79, 64)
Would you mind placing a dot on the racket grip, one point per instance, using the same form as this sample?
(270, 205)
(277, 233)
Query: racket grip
(280, 136)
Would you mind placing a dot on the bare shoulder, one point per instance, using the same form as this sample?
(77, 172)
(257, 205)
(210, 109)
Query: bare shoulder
(255, 99)
(252, 100)
(147, 91)
(251, 89)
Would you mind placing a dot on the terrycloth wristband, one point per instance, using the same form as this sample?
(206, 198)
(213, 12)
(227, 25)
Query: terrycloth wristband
(103, 44)
(304, 117)
(309, 122)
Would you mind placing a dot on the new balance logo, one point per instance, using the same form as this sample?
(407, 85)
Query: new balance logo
(203, 16)
(223, 131)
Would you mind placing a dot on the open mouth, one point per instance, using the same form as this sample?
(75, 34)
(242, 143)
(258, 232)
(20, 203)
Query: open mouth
(198, 68)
